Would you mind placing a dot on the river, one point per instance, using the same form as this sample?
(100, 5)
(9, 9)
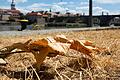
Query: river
(9, 27)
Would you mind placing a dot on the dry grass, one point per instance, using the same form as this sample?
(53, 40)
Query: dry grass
(103, 67)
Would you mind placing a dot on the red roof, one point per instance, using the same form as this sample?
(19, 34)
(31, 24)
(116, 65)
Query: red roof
(9, 10)
(13, 11)
(34, 14)
(45, 15)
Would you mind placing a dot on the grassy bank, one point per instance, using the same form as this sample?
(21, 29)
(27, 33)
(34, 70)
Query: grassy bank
(64, 68)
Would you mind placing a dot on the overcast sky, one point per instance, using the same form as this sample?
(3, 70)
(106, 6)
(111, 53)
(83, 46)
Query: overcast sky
(73, 6)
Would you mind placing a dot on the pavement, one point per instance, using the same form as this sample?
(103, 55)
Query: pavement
(38, 32)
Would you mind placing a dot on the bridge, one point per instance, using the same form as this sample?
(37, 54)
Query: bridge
(102, 20)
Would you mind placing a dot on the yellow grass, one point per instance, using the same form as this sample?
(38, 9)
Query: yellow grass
(103, 67)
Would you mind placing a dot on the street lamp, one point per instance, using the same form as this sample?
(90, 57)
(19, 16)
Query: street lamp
(90, 14)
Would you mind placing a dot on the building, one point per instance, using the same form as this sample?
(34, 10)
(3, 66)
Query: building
(34, 16)
(10, 14)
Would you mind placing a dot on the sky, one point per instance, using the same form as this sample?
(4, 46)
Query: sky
(63, 6)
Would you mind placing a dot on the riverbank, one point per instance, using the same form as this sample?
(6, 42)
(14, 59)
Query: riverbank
(47, 31)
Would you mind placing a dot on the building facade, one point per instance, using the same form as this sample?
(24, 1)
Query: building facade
(10, 14)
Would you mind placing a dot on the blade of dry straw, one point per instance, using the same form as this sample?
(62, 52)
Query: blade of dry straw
(58, 72)
(35, 72)
(80, 75)
(26, 70)
(66, 76)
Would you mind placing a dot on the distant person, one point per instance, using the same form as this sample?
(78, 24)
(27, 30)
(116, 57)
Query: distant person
(23, 24)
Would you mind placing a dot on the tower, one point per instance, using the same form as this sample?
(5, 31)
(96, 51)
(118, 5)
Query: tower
(90, 14)
(13, 5)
